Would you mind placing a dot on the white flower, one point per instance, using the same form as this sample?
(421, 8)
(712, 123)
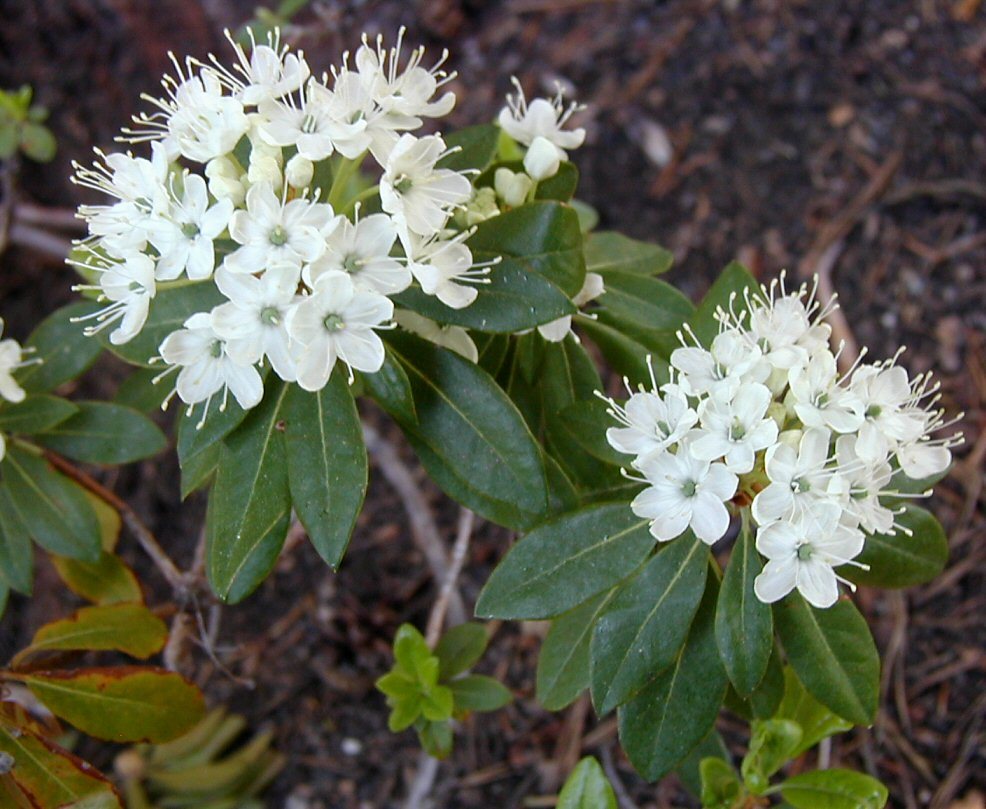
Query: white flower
(196, 120)
(543, 159)
(253, 323)
(273, 232)
(184, 236)
(512, 187)
(454, 338)
(269, 72)
(801, 554)
(730, 361)
(11, 358)
(735, 428)
(337, 321)
(205, 366)
(541, 118)
(418, 195)
(445, 269)
(685, 492)
(889, 420)
(127, 281)
(654, 422)
(820, 400)
(363, 251)
(558, 330)
(797, 477)
(925, 457)
(864, 483)
(317, 128)
(789, 328)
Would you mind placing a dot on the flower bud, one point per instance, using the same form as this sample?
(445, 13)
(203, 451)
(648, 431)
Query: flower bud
(542, 159)
(225, 180)
(299, 172)
(512, 187)
(264, 168)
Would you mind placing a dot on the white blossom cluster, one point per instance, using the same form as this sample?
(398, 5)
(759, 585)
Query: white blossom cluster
(234, 193)
(762, 419)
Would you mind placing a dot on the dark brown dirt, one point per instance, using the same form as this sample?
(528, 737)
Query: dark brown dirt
(787, 134)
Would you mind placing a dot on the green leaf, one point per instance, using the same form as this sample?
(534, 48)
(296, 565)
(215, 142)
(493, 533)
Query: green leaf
(16, 554)
(38, 143)
(720, 786)
(200, 441)
(121, 704)
(609, 251)
(645, 625)
(677, 708)
(587, 788)
(169, 310)
(436, 739)
(104, 433)
(391, 389)
(624, 353)
(476, 148)
(63, 350)
(140, 392)
(563, 664)
(744, 626)
(411, 652)
(587, 422)
(476, 692)
(541, 268)
(815, 720)
(488, 459)
(565, 561)
(733, 280)
(34, 414)
(772, 745)
(904, 559)
(55, 511)
(643, 301)
(833, 654)
(770, 690)
(106, 581)
(834, 789)
(250, 504)
(560, 186)
(459, 649)
(128, 628)
(437, 703)
(327, 466)
(46, 776)
(688, 769)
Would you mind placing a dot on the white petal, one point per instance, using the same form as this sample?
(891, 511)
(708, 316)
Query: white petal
(776, 580)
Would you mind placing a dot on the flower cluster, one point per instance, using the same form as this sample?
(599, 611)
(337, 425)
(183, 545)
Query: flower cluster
(763, 419)
(253, 184)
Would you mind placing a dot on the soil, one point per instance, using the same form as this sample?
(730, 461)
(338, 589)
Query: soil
(842, 137)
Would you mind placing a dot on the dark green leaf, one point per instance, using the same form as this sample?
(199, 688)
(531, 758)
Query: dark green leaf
(645, 625)
(688, 768)
(139, 391)
(733, 280)
(676, 710)
(250, 505)
(565, 561)
(170, 309)
(63, 350)
(770, 690)
(651, 304)
(916, 554)
(587, 788)
(560, 186)
(16, 554)
(104, 433)
(391, 389)
(744, 626)
(563, 664)
(625, 354)
(487, 458)
(35, 414)
(541, 268)
(834, 789)
(459, 649)
(200, 440)
(53, 508)
(609, 251)
(327, 467)
(476, 147)
(833, 654)
(475, 692)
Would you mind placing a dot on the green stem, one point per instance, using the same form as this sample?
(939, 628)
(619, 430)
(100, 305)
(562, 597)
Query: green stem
(340, 179)
(366, 193)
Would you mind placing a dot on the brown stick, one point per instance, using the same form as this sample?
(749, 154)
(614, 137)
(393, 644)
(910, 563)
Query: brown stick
(436, 617)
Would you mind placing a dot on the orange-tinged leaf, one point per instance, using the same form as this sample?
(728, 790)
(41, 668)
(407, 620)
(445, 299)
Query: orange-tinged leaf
(120, 704)
(109, 521)
(129, 628)
(14, 715)
(106, 581)
(46, 776)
